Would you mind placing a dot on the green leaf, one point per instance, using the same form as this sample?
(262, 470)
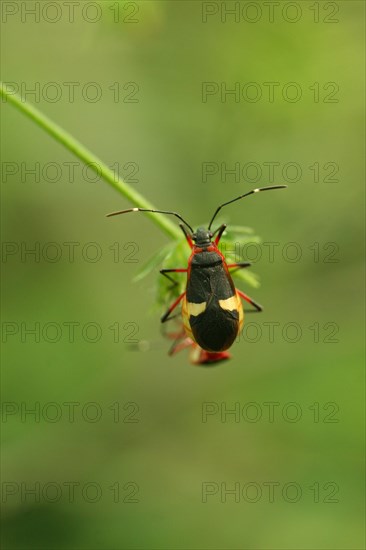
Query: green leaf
(153, 262)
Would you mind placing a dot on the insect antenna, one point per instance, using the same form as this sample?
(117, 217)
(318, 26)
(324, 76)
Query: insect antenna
(258, 190)
(148, 210)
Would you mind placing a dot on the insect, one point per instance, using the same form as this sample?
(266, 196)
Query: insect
(212, 311)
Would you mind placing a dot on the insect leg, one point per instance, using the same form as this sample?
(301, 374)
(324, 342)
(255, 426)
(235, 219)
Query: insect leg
(187, 235)
(240, 265)
(171, 318)
(166, 271)
(165, 317)
(219, 232)
(181, 342)
(258, 307)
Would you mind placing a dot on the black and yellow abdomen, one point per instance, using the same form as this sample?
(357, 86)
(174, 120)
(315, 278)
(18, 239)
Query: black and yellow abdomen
(212, 310)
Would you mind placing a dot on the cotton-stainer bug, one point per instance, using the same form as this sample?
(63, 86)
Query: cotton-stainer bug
(211, 305)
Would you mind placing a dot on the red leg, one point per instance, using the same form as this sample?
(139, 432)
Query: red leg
(249, 300)
(187, 235)
(238, 266)
(165, 317)
(175, 270)
(219, 232)
(182, 342)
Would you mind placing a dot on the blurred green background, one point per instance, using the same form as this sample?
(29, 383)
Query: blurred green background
(146, 459)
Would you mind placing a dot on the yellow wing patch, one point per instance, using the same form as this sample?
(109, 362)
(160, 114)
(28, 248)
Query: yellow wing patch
(234, 303)
(230, 304)
(196, 309)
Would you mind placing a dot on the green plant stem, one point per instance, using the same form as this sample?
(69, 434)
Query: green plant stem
(90, 159)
